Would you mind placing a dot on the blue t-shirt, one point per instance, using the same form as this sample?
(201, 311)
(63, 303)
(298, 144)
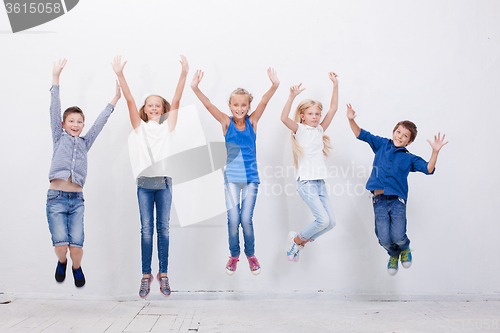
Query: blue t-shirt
(241, 166)
(391, 166)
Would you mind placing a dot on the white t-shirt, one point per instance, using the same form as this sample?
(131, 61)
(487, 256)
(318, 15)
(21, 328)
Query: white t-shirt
(158, 138)
(312, 164)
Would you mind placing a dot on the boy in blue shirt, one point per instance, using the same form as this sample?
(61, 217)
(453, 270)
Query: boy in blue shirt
(67, 175)
(389, 184)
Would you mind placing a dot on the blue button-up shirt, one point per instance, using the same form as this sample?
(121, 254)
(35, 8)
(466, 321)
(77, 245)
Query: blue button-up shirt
(70, 153)
(391, 166)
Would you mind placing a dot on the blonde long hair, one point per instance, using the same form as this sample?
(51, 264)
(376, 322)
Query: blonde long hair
(296, 148)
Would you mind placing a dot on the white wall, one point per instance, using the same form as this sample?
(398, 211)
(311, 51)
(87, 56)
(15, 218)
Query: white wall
(436, 63)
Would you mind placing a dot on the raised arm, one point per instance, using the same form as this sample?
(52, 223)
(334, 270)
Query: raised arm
(176, 101)
(259, 110)
(214, 111)
(118, 95)
(117, 65)
(292, 125)
(436, 147)
(334, 102)
(56, 71)
(351, 114)
(55, 101)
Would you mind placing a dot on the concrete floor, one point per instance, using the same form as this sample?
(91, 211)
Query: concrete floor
(251, 312)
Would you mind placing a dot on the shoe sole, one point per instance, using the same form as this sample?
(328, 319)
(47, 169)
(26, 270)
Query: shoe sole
(230, 272)
(406, 264)
(390, 270)
(256, 272)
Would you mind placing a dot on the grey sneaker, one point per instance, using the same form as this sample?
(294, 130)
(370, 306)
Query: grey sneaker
(145, 286)
(164, 285)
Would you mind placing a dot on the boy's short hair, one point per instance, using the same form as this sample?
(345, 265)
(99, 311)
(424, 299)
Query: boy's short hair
(73, 109)
(410, 126)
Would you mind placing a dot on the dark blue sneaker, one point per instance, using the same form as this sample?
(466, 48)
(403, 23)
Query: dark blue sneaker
(79, 277)
(61, 271)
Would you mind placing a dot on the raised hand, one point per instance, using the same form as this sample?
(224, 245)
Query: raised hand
(333, 77)
(438, 142)
(117, 65)
(185, 64)
(273, 76)
(351, 114)
(58, 67)
(295, 90)
(196, 79)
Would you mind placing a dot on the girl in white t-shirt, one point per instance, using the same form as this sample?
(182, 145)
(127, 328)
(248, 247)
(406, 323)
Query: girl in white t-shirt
(310, 147)
(154, 186)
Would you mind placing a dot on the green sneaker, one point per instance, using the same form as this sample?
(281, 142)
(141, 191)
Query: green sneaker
(406, 258)
(392, 267)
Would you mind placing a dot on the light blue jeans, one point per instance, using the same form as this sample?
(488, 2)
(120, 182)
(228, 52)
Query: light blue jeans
(390, 223)
(65, 216)
(315, 195)
(240, 214)
(161, 195)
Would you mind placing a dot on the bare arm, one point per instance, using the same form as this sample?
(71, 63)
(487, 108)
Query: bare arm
(214, 111)
(334, 102)
(174, 111)
(436, 147)
(259, 110)
(56, 71)
(118, 95)
(292, 125)
(117, 65)
(351, 115)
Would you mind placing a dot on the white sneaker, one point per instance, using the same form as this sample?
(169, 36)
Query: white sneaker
(291, 247)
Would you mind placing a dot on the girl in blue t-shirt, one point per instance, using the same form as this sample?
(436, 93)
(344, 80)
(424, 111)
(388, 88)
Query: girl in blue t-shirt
(241, 175)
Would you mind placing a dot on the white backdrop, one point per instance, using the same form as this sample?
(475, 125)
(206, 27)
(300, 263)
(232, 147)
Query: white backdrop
(435, 63)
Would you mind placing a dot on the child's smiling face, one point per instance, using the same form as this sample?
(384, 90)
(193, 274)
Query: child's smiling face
(239, 106)
(311, 116)
(154, 107)
(73, 124)
(401, 137)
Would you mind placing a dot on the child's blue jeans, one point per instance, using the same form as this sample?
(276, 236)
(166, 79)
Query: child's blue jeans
(161, 195)
(390, 223)
(65, 216)
(315, 195)
(241, 214)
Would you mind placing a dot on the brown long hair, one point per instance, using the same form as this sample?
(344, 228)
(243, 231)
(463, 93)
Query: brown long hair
(165, 103)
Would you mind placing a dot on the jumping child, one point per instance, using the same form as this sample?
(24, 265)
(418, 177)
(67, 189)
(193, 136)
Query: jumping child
(241, 174)
(310, 148)
(67, 175)
(388, 183)
(154, 186)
